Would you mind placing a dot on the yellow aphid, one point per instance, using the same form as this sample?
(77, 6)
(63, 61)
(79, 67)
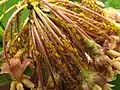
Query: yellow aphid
(37, 52)
(13, 85)
(50, 82)
(61, 48)
(28, 83)
(59, 62)
(19, 86)
(75, 2)
(78, 37)
(57, 55)
(31, 0)
(51, 45)
(51, 0)
(91, 28)
(82, 14)
(73, 30)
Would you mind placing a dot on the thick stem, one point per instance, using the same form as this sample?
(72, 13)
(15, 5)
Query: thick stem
(78, 15)
(56, 60)
(83, 8)
(49, 28)
(38, 26)
(57, 30)
(44, 54)
(85, 21)
(68, 30)
(81, 32)
(40, 81)
(7, 27)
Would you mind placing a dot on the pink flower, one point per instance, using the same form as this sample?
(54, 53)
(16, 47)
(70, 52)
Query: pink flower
(16, 67)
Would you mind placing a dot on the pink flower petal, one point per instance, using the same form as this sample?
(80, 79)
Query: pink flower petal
(5, 68)
(25, 63)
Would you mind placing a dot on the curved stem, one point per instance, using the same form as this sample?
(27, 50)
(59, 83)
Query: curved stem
(92, 25)
(43, 19)
(7, 11)
(40, 29)
(23, 26)
(7, 27)
(78, 15)
(80, 31)
(56, 60)
(68, 30)
(44, 54)
(83, 8)
(53, 26)
(40, 81)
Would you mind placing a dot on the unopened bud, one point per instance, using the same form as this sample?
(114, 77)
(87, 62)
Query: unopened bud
(13, 85)
(28, 83)
(116, 65)
(113, 53)
(19, 86)
(110, 72)
(99, 3)
(96, 87)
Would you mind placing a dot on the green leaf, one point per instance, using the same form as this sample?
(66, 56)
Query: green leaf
(4, 79)
(1, 48)
(28, 71)
(113, 3)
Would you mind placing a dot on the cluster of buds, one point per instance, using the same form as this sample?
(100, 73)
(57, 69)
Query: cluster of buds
(19, 85)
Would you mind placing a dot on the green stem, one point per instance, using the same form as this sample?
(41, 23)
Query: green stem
(3, 1)
(7, 11)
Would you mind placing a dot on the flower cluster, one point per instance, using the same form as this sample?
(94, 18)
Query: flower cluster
(69, 45)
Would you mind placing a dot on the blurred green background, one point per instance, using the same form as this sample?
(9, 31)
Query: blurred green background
(108, 3)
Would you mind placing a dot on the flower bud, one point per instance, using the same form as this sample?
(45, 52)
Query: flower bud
(117, 59)
(96, 87)
(110, 72)
(25, 76)
(99, 3)
(113, 53)
(19, 86)
(116, 65)
(13, 85)
(85, 86)
(108, 86)
(28, 83)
